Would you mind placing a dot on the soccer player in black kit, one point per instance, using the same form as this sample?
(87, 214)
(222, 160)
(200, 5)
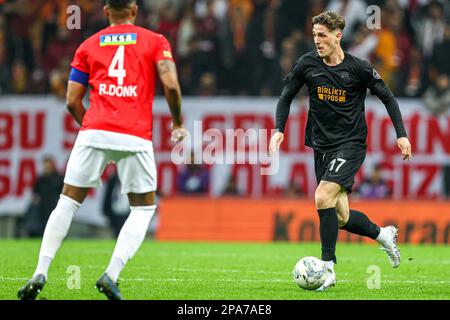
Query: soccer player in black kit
(336, 129)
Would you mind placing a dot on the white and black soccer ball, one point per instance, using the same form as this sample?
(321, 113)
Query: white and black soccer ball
(310, 273)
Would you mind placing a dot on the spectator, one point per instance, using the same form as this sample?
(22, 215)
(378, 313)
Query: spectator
(303, 45)
(315, 7)
(262, 44)
(207, 86)
(58, 83)
(46, 191)
(57, 61)
(413, 78)
(431, 29)
(403, 47)
(292, 15)
(244, 46)
(239, 17)
(437, 96)
(354, 12)
(19, 77)
(374, 187)
(203, 8)
(169, 23)
(439, 61)
(385, 58)
(282, 67)
(19, 18)
(52, 18)
(203, 48)
(291, 49)
(364, 44)
(186, 32)
(194, 178)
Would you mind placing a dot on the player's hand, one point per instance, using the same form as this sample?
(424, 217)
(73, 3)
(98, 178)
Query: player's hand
(178, 133)
(275, 142)
(405, 148)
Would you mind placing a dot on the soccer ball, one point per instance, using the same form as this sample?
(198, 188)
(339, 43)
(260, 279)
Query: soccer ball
(310, 273)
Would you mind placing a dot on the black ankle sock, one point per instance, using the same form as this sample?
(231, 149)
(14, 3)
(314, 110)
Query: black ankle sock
(328, 233)
(360, 224)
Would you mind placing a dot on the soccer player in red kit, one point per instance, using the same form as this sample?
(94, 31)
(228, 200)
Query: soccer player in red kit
(119, 64)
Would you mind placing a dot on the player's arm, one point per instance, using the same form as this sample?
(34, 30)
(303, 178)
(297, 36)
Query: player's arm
(292, 84)
(76, 89)
(168, 74)
(381, 90)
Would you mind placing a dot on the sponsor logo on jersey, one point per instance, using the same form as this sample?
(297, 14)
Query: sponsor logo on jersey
(331, 94)
(167, 54)
(375, 74)
(118, 91)
(345, 76)
(122, 39)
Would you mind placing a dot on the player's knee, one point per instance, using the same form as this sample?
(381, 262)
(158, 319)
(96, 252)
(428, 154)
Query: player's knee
(75, 193)
(141, 199)
(324, 199)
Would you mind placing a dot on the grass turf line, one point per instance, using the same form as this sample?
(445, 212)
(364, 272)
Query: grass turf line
(223, 271)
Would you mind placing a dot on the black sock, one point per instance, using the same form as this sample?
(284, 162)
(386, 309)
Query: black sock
(360, 224)
(328, 233)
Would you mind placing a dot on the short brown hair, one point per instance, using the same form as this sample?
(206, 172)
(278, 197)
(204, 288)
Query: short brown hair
(330, 19)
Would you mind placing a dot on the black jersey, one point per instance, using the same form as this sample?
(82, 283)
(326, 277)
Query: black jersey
(336, 116)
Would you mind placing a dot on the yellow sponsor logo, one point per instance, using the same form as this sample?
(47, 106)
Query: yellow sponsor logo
(167, 54)
(331, 94)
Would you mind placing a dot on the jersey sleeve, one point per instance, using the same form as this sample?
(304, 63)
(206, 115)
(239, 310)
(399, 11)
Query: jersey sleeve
(79, 61)
(369, 76)
(163, 50)
(292, 84)
(372, 80)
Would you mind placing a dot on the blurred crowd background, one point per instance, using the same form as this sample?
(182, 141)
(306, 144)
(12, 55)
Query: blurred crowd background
(228, 48)
(235, 47)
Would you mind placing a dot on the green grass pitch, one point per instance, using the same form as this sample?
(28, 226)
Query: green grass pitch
(222, 271)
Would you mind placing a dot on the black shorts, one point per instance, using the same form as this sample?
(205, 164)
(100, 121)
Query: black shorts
(339, 166)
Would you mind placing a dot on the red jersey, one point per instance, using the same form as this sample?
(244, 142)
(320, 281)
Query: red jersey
(121, 63)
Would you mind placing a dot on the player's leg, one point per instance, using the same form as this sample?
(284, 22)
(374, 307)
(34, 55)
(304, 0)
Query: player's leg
(133, 231)
(338, 169)
(83, 171)
(354, 221)
(55, 231)
(137, 173)
(328, 226)
(359, 223)
(326, 197)
(58, 225)
(128, 242)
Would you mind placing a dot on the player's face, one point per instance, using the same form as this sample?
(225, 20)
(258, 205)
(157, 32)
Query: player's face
(326, 41)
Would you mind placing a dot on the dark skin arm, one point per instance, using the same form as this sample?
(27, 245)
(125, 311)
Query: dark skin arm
(74, 100)
(168, 74)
